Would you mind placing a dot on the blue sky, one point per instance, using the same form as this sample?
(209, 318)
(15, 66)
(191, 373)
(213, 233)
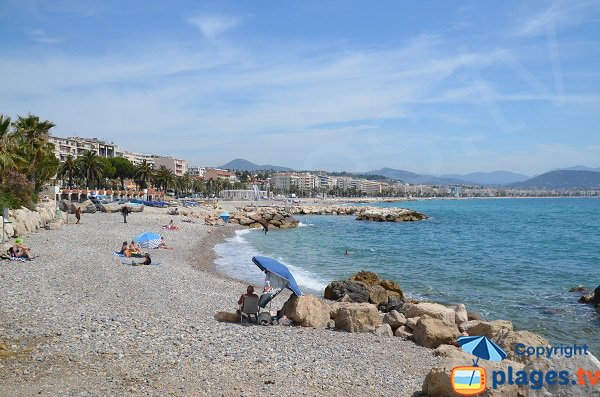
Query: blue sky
(432, 87)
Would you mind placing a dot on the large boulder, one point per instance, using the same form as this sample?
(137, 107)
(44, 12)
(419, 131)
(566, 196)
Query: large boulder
(64, 205)
(307, 311)
(227, 317)
(110, 207)
(395, 319)
(357, 291)
(404, 332)
(360, 317)
(377, 294)
(88, 207)
(384, 330)
(511, 339)
(492, 329)
(432, 332)
(597, 296)
(460, 314)
(437, 382)
(392, 286)
(366, 277)
(433, 310)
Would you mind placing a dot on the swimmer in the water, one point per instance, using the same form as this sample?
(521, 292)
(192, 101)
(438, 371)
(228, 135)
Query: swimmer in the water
(346, 253)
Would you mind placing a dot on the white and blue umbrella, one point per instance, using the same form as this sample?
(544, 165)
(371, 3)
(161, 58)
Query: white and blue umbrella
(148, 240)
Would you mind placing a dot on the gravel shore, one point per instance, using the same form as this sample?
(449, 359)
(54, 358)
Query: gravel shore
(77, 322)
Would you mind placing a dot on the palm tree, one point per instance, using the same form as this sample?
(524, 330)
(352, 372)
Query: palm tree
(68, 169)
(143, 174)
(10, 156)
(33, 136)
(91, 166)
(164, 178)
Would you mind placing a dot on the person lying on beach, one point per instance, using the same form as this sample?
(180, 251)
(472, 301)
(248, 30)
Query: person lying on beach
(171, 226)
(147, 261)
(20, 250)
(249, 292)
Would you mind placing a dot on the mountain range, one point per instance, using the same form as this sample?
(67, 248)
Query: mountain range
(245, 165)
(564, 178)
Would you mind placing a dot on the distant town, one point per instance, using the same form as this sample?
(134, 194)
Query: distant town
(243, 184)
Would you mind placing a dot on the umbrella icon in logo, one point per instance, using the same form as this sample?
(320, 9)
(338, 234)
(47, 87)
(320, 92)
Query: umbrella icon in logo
(481, 347)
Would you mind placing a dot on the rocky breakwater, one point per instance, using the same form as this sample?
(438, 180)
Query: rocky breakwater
(24, 220)
(592, 298)
(258, 217)
(376, 214)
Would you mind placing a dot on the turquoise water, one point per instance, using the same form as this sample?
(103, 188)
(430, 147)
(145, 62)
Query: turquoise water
(506, 259)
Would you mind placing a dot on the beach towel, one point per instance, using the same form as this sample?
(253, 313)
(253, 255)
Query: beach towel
(116, 253)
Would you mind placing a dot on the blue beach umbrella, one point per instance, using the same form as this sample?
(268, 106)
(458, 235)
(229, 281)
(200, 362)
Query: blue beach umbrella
(225, 216)
(148, 240)
(481, 347)
(278, 273)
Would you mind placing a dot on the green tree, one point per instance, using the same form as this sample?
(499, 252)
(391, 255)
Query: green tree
(10, 153)
(124, 169)
(91, 167)
(143, 174)
(39, 153)
(68, 169)
(164, 178)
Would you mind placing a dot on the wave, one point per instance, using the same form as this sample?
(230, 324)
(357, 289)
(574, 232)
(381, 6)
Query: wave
(302, 224)
(234, 259)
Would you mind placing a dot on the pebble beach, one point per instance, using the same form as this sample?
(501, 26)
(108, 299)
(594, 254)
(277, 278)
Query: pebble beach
(77, 322)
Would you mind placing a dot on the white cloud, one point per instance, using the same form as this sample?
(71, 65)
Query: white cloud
(213, 26)
(42, 37)
(560, 15)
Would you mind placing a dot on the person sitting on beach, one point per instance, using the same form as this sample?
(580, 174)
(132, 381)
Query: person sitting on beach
(249, 292)
(134, 249)
(164, 246)
(123, 248)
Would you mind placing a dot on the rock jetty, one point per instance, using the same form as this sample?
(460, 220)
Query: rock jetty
(592, 298)
(363, 213)
(24, 221)
(258, 217)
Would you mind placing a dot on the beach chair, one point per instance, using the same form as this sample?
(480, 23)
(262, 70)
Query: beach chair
(249, 308)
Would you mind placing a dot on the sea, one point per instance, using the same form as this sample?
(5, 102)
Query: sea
(514, 259)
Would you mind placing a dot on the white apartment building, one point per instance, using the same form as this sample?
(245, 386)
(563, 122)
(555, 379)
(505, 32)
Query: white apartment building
(308, 181)
(136, 158)
(76, 146)
(285, 181)
(196, 172)
(179, 167)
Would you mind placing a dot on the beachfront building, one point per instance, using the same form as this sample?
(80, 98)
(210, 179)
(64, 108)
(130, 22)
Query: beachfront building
(371, 187)
(308, 182)
(239, 194)
(285, 182)
(179, 167)
(76, 146)
(217, 173)
(136, 158)
(196, 172)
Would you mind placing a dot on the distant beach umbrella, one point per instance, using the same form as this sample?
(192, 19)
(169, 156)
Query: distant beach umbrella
(148, 240)
(225, 216)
